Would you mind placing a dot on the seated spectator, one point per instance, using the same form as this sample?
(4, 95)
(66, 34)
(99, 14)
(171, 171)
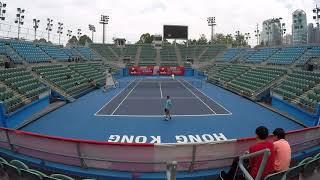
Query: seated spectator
(282, 151)
(254, 163)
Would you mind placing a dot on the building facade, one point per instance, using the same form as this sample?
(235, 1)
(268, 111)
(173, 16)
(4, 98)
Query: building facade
(271, 33)
(299, 27)
(313, 34)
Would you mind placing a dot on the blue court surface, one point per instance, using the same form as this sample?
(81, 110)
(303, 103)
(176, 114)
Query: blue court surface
(137, 109)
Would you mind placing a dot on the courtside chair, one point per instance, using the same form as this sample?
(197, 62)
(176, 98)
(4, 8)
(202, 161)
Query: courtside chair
(310, 167)
(38, 172)
(29, 175)
(19, 164)
(276, 176)
(61, 176)
(12, 171)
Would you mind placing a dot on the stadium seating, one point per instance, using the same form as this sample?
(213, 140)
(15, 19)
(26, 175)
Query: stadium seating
(185, 52)
(255, 79)
(286, 55)
(89, 72)
(87, 53)
(297, 83)
(71, 53)
(229, 55)
(10, 99)
(104, 51)
(211, 53)
(246, 54)
(311, 99)
(312, 52)
(168, 56)
(8, 52)
(213, 69)
(17, 170)
(148, 55)
(261, 55)
(29, 52)
(130, 51)
(228, 73)
(54, 52)
(23, 82)
(69, 81)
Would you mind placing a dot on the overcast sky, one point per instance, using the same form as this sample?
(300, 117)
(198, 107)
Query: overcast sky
(131, 18)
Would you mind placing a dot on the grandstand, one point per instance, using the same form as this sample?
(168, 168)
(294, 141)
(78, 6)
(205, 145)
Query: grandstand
(147, 55)
(85, 110)
(70, 74)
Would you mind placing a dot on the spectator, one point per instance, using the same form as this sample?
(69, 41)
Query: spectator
(282, 151)
(254, 163)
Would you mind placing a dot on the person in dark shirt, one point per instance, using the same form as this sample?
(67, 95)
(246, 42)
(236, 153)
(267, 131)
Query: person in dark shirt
(262, 134)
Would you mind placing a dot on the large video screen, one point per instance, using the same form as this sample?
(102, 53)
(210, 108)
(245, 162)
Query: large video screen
(175, 32)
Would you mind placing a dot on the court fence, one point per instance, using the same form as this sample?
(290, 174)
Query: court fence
(140, 157)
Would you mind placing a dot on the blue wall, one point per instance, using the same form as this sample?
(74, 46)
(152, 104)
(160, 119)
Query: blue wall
(300, 114)
(13, 119)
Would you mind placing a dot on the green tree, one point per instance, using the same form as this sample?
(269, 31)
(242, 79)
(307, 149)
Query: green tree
(73, 40)
(202, 40)
(145, 38)
(83, 39)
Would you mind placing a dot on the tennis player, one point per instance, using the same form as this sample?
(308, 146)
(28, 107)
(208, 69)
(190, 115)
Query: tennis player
(172, 75)
(168, 106)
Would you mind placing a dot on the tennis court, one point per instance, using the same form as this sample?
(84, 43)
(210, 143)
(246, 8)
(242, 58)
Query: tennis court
(145, 97)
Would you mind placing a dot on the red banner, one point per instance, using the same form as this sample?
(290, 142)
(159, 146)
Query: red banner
(141, 70)
(156, 70)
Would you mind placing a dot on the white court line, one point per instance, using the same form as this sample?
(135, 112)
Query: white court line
(125, 97)
(157, 116)
(197, 97)
(158, 98)
(161, 91)
(230, 113)
(113, 98)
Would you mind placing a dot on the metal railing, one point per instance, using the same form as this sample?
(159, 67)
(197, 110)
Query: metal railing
(266, 153)
(140, 157)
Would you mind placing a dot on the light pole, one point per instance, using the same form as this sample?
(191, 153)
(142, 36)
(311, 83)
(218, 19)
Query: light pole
(316, 17)
(79, 33)
(69, 34)
(60, 28)
(2, 11)
(247, 37)
(257, 34)
(212, 23)
(282, 30)
(35, 27)
(104, 20)
(237, 36)
(92, 28)
(19, 19)
(49, 27)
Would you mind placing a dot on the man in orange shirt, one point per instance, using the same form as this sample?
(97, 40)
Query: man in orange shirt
(282, 151)
(254, 162)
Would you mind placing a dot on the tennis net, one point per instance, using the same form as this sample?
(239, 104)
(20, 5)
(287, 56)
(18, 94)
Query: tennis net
(155, 83)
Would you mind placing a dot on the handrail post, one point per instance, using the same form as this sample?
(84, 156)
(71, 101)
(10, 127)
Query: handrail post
(194, 150)
(83, 164)
(171, 170)
(266, 153)
(9, 142)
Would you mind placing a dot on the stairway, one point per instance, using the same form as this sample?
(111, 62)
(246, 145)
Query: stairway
(178, 54)
(197, 60)
(54, 87)
(272, 84)
(138, 53)
(24, 99)
(158, 57)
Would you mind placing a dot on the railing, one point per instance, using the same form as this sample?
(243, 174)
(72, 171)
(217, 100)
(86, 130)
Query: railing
(140, 157)
(266, 153)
